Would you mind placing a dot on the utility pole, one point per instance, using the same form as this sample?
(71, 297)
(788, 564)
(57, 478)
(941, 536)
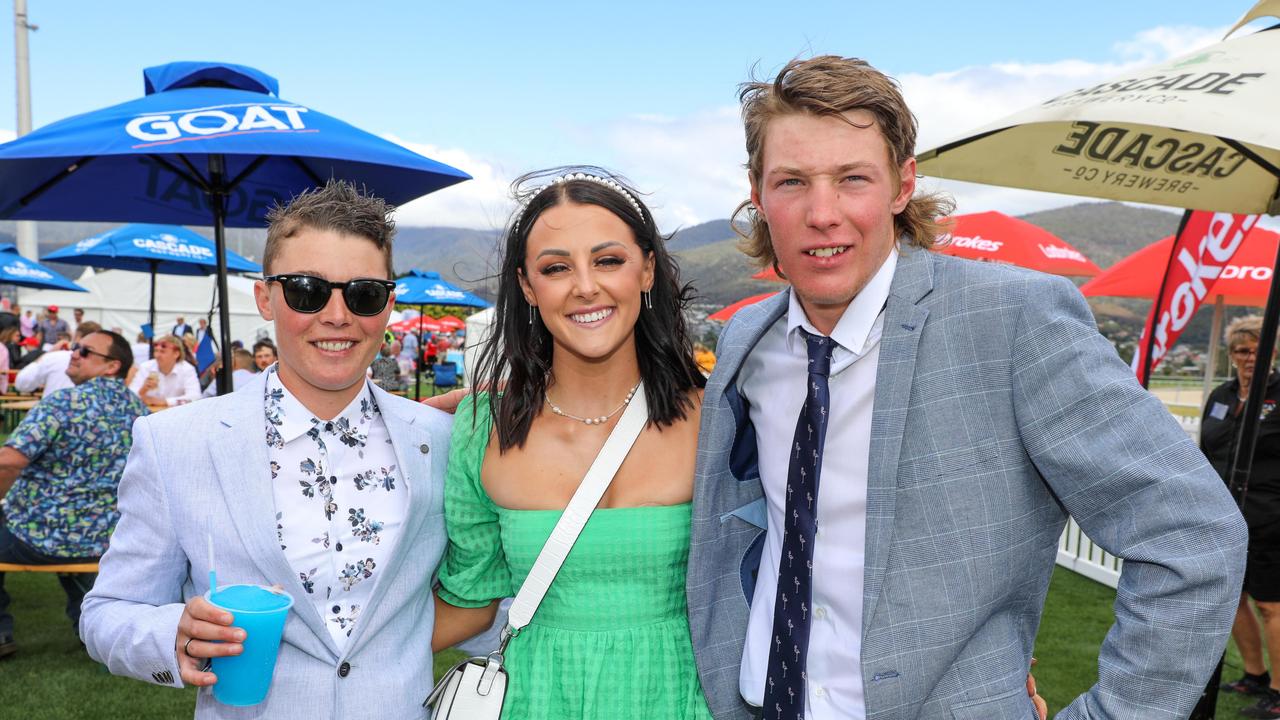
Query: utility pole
(28, 247)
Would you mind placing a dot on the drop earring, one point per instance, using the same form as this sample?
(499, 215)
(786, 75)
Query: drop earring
(648, 300)
(530, 314)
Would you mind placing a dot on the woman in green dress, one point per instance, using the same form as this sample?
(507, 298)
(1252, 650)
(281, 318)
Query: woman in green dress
(589, 304)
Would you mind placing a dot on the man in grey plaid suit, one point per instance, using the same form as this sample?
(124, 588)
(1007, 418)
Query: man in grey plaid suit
(971, 408)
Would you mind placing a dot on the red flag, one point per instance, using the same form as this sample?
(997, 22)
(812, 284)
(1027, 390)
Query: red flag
(1204, 245)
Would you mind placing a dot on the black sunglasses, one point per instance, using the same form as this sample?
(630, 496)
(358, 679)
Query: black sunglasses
(84, 351)
(309, 294)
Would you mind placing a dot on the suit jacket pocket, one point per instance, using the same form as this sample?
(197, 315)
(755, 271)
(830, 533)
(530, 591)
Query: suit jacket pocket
(1012, 705)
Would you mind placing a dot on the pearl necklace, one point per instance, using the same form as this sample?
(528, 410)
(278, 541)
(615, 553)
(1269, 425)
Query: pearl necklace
(593, 420)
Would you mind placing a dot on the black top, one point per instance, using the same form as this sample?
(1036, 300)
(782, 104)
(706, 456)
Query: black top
(1219, 426)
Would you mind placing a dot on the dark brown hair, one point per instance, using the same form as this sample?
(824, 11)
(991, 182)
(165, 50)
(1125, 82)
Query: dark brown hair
(518, 354)
(338, 206)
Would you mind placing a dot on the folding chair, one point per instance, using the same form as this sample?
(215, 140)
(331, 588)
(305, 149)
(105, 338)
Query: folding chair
(445, 377)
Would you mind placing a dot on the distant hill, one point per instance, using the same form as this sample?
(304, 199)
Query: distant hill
(707, 252)
(697, 236)
(1106, 231)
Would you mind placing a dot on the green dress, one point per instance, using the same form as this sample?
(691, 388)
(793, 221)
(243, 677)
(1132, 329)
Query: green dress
(611, 637)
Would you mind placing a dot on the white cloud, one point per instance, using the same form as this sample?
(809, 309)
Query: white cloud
(692, 165)
(481, 202)
(949, 104)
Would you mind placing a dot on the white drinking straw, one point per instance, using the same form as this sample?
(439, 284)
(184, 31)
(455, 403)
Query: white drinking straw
(213, 574)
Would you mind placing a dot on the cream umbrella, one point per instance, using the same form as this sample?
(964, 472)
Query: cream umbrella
(1199, 131)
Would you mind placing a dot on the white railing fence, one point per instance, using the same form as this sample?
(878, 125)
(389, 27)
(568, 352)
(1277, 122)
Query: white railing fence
(1077, 552)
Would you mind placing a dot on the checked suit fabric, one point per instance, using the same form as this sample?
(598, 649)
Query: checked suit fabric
(784, 693)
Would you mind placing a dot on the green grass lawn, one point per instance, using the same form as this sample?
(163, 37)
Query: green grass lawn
(52, 679)
(1077, 615)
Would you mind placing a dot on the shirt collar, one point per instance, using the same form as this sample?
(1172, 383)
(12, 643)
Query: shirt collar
(853, 332)
(292, 419)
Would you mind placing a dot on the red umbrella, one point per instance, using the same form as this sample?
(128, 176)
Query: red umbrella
(411, 325)
(767, 274)
(1244, 281)
(449, 322)
(997, 237)
(726, 313)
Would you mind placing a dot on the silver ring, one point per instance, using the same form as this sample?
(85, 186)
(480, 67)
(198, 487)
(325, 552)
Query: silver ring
(185, 650)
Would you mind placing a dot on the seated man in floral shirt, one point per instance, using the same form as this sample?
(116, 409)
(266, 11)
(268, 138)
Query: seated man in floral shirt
(60, 467)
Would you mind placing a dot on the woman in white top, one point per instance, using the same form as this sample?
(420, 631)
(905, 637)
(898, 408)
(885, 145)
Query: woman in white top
(168, 378)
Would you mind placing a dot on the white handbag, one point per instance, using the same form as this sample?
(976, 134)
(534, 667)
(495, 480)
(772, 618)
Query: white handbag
(476, 688)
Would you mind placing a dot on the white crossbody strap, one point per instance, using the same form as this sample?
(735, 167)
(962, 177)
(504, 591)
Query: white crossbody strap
(578, 511)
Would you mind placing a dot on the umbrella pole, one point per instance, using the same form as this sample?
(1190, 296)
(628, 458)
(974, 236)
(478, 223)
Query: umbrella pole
(1246, 440)
(216, 196)
(417, 361)
(151, 309)
(1215, 335)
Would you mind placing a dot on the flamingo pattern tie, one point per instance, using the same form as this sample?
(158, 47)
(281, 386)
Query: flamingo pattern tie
(784, 692)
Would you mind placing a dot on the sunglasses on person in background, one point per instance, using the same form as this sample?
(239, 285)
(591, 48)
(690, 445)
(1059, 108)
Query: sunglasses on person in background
(1244, 352)
(84, 352)
(308, 294)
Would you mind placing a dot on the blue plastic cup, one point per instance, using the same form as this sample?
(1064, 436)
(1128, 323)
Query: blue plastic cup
(245, 679)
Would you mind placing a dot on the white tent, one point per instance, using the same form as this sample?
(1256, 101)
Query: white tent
(118, 298)
(479, 325)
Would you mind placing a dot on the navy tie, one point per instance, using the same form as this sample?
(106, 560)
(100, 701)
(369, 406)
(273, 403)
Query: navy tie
(784, 692)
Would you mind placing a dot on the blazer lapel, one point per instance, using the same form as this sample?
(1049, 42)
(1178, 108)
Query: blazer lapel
(408, 437)
(903, 324)
(242, 467)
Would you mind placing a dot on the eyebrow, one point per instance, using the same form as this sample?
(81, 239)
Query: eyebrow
(784, 170)
(565, 253)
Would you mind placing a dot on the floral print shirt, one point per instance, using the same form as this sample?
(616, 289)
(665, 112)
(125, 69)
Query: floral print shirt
(76, 439)
(340, 500)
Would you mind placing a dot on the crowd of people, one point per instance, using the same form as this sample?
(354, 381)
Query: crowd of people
(856, 515)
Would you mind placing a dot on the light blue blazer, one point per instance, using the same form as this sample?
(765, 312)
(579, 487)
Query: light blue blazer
(998, 411)
(202, 468)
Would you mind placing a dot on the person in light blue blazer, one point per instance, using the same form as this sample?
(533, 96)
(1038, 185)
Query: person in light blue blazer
(311, 478)
(891, 446)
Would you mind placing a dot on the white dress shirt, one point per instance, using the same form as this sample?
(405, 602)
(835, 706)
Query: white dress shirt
(48, 371)
(340, 500)
(772, 381)
(239, 379)
(177, 386)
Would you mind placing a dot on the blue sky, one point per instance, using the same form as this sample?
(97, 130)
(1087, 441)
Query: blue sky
(499, 88)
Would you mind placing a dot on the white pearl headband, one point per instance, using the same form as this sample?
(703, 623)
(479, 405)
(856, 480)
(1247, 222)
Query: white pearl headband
(568, 177)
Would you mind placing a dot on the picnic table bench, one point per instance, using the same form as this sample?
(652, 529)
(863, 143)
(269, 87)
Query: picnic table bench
(90, 567)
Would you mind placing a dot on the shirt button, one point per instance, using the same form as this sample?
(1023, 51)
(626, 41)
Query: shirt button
(344, 669)
(820, 613)
(819, 691)
(424, 449)
(328, 427)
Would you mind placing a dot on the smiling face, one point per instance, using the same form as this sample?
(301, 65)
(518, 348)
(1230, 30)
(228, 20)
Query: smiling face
(828, 192)
(584, 272)
(166, 354)
(323, 356)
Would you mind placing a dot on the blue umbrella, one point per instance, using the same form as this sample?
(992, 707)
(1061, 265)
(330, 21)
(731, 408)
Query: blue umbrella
(165, 249)
(428, 288)
(17, 270)
(209, 143)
